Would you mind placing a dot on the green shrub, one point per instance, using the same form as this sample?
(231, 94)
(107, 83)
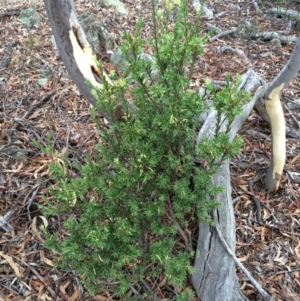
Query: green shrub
(127, 215)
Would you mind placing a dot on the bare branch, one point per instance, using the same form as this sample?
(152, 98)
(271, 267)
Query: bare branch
(223, 34)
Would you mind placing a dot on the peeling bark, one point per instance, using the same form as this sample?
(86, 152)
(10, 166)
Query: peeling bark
(275, 112)
(76, 52)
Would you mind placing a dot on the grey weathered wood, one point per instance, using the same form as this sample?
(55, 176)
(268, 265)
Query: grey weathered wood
(215, 277)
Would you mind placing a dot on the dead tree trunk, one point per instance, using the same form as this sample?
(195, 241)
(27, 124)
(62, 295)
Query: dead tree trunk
(215, 276)
(275, 112)
(214, 268)
(75, 50)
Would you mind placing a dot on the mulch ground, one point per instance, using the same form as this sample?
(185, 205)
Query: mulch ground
(31, 111)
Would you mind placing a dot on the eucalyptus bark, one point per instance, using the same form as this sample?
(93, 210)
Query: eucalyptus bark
(75, 51)
(276, 116)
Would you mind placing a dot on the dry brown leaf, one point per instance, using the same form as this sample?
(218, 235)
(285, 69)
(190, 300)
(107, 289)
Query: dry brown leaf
(249, 202)
(44, 220)
(11, 262)
(244, 258)
(75, 295)
(63, 287)
(244, 188)
(35, 230)
(263, 233)
(265, 213)
(46, 260)
(297, 249)
(37, 285)
(278, 247)
(14, 170)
